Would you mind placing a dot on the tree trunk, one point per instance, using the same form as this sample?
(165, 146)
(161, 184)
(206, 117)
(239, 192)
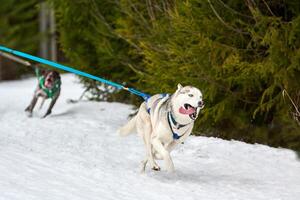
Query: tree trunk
(8, 69)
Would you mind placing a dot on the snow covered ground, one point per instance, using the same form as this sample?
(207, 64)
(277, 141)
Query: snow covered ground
(76, 154)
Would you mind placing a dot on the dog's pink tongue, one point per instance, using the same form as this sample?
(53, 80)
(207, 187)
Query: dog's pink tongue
(48, 84)
(189, 111)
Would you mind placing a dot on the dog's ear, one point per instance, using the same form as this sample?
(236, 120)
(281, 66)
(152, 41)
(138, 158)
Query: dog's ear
(44, 72)
(179, 86)
(56, 75)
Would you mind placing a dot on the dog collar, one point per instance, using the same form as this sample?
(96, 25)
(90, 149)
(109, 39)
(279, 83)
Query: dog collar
(178, 126)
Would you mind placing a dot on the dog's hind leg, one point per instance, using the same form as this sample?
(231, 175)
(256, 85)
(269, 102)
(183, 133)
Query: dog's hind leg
(149, 155)
(144, 163)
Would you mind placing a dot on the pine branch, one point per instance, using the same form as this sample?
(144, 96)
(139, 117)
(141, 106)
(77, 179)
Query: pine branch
(297, 113)
(15, 58)
(136, 70)
(253, 8)
(223, 22)
(111, 30)
(150, 10)
(269, 9)
(234, 11)
(140, 15)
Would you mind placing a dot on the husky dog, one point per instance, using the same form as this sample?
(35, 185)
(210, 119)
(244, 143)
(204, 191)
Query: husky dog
(164, 121)
(49, 83)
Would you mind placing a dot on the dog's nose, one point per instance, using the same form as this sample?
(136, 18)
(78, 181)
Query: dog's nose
(200, 103)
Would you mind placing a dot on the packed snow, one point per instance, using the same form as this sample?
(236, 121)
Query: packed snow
(76, 153)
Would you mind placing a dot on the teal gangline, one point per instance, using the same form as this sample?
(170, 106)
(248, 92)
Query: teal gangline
(74, 71)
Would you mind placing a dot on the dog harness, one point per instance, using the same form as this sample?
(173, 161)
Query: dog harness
(50, 92)
(171, 119)
(156, 101)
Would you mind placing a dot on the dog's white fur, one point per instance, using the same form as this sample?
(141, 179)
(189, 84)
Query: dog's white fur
(154, 127)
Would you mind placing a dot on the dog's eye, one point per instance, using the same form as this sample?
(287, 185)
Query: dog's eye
(191, 95)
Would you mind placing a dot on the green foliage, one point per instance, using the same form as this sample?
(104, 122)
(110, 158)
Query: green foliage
(88, 39)
(241, 54)
(18, 22)
(19, 25)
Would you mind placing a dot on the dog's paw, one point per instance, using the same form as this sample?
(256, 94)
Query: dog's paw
(47, 113)
(28, 113)
(43, 117)
(156, 168)
(143, 165)
(71, 101)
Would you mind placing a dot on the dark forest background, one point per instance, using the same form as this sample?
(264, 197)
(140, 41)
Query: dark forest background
(243, 54)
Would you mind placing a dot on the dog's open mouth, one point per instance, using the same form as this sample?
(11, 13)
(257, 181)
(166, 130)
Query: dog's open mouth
(193, 116)
(188, 109)
(48, 83)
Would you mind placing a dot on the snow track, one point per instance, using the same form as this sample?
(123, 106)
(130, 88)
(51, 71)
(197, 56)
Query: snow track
(76, 154)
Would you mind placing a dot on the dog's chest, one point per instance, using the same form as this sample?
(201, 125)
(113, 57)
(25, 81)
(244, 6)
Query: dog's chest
(166, 135)
(40, 92)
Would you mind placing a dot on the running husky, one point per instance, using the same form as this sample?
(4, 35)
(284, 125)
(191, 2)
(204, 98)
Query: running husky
(164, 121)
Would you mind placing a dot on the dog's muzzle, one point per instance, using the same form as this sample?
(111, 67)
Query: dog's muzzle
(195, 114)
(201, 104)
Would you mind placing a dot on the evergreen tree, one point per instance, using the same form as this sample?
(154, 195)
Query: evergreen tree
(241, 54)
(19, 26)
(89, 40)
(19, 23)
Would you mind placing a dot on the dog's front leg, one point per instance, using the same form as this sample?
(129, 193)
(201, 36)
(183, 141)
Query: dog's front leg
(158, 146)
(42, 103)
(53, 101)
(31, 106)
(172, 145)
(144, 128)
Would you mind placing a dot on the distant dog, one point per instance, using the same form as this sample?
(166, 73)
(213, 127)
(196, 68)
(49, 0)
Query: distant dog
(49, 83)
(165, 121)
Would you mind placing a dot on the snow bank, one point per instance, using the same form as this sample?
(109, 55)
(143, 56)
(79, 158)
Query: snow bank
(76, 154)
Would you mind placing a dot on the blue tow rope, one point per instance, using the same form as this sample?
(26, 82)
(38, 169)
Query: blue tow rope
(74, 71)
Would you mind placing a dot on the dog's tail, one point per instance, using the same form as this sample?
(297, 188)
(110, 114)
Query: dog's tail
(128, 128)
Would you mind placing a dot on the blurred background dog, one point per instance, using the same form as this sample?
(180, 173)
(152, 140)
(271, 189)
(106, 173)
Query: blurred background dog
(49, 85)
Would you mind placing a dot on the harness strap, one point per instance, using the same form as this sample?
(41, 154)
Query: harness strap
(178, 126)
(156, 101)
(171, 119)
(175, 135)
